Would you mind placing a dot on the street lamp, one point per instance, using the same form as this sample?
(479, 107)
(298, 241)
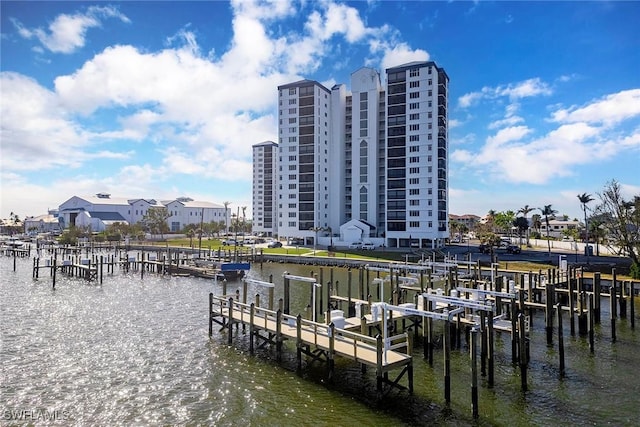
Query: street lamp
(226, 218)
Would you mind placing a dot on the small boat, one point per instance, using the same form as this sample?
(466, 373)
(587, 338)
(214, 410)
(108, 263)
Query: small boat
(14, 243)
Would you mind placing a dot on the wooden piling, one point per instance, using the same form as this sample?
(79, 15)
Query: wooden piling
(522, 351)
(299, 344)
(490, 355)
(446, 339)
(632, 306)
(474, 372)
(591, 325)
(230, 337)
(612, 309)
(252, 314)
(560, 340)
(210, 314)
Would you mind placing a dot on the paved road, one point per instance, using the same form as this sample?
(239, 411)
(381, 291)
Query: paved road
(535, 255)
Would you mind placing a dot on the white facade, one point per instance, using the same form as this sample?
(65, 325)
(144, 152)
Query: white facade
(101, 210)
(264, 200)
(185, 212)
(378, 154)
(303, 159)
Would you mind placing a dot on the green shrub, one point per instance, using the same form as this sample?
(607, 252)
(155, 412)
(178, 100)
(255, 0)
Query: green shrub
(634, 271)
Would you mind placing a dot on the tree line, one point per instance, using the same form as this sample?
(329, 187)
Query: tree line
(614, 221)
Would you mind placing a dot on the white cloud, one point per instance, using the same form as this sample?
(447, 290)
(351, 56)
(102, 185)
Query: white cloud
(514, 91)
(610, 109)
(509, 121)
(67, 32)
(514, 133)
(37, 133)
(401, 53)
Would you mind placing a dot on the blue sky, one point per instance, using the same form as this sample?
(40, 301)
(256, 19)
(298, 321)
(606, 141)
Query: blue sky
(165, 99)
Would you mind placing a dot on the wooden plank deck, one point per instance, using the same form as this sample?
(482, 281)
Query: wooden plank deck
(317, 340)
(360, 348)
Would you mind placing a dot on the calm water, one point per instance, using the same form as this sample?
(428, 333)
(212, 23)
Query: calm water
(136, 352)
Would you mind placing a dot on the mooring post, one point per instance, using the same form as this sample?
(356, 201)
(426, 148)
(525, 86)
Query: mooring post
(332, 333)
(596, 300)
(299, 344)
(632, 308)
(483, 343)
(560, 340)
(514, 332)
(623, 299)
(583, 321)
(591, 325)
(446, 338)
(474, 372)
(548, 311)
(55, 267)
(572, 302)
(279, 335)
(523, 351)
(286, 295)
(230, 338)
(379, 351)
(490, 355)
(252, 314)
(210, 314)
(612, 308)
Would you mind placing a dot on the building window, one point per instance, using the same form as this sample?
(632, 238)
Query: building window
(414, 224)
(292, 91)
(414, 105)
(414, 95)
(416, 83)
(414, 127)
(414, 116)
(414, 72)
(414, 191)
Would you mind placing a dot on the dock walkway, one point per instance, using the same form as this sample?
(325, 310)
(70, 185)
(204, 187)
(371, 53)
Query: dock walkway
(317, 340)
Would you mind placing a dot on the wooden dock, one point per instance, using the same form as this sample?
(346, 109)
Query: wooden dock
(318, 341)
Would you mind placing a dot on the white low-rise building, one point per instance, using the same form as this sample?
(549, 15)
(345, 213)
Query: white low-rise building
(101, 210)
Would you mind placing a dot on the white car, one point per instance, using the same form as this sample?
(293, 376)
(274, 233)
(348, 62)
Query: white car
(356, 245)
(368, 246)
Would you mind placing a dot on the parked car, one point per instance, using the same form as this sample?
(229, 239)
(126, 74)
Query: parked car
(513, 249)
(229, 242)
(274, 244)
(484, 248)
(368, 246)
(355, 245)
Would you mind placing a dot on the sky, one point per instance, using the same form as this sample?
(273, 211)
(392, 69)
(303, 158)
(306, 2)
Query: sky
(165, 99)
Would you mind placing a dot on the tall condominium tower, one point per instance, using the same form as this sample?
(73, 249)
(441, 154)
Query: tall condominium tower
(303, 158)
(417, 147)
(374, 157)
(265, 203)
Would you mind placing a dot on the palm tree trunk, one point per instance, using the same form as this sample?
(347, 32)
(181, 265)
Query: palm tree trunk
(546, 218)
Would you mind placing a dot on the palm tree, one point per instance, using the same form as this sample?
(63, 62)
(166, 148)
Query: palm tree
(490, 219)
(548, 211)
(584, 199)
(525, 212)
(536, 223)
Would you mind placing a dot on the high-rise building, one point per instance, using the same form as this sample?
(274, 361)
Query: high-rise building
(265, 173)
(373, 158)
